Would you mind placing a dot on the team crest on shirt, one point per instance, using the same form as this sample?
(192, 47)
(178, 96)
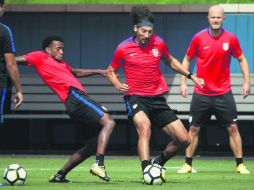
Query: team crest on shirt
(155, 52)
(225, 46)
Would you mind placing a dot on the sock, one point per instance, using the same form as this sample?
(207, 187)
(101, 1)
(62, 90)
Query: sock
(188, 160)
(100, 159)
(61, 173)
(144, 163)
(238, 161)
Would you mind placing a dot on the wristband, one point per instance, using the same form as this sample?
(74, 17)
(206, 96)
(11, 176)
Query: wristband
(189, 75)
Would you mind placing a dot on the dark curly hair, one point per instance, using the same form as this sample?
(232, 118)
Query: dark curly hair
(48, 40)
(2, 3)
(141, 13)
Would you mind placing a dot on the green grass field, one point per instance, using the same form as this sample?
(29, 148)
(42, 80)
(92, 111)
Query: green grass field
(213, 174)
(126, 1)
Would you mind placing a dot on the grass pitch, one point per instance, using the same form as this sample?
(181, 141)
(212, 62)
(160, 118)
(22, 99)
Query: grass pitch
(125, 173)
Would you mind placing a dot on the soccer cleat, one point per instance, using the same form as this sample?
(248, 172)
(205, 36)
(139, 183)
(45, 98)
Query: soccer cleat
(99, 171)
(242, 169)
(57, 178)
(186, 168)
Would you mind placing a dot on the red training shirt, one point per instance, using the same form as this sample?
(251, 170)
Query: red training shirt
(142, 65)
(57, 75)
(213, 55)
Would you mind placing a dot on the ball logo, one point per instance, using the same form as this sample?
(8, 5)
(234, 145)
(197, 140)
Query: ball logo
(155, 52)
(225, 46)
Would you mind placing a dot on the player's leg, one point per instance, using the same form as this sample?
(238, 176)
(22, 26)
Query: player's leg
(74, 160)
(98, 168)
(180, 141)
(200, 113)
(191, 149)
(137, 111)
(143, 127)
(165, 119)
(226, 113)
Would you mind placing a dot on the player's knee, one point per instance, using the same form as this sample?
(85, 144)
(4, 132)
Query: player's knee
(144, 132)
(184, 143)
(194, 131)
(233, 129)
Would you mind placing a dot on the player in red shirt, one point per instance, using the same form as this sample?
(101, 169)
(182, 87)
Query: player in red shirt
(61, 78)
(145, 86)
(213, 48)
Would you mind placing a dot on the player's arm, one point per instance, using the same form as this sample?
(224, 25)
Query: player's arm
(21, 60)
(14, 74)
(112, 77)
(246, 75)
(88, 72)
(183, 83)
(178, 67)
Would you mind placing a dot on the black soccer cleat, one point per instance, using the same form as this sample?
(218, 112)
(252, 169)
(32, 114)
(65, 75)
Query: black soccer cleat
(57, 178)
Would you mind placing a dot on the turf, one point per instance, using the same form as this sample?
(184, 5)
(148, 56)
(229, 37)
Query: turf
(125, 173)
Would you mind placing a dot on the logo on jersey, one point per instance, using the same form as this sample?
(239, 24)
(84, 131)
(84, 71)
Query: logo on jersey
(155, 52)
(135, 106)
(132, 54)
(225, 46)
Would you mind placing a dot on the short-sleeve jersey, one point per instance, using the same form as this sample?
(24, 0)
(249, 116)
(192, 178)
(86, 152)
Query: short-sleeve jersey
(213, 55)
(57, 75)
(6, 46)
(142, 65)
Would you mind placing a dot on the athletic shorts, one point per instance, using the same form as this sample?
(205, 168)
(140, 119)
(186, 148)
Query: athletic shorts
(223, 107)
(155, 107)
(2, 101)
(82, 109)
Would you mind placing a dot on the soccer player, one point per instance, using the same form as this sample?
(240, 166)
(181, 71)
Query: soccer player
(213, 48)
(8, 63)
(61, 78)
(145, 86)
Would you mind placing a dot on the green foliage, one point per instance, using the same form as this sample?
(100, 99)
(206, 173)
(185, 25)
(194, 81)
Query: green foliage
(126, 174)
(125, 1)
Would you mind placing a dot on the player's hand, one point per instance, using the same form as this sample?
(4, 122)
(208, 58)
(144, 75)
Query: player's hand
(199, 81)
(184, 90)
(245, 90)
(18, 99)
(123, 88)
(103, 72)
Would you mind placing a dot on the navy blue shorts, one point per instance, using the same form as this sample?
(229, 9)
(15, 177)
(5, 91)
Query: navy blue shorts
(155, 107)
(82, 109)
(223, 107)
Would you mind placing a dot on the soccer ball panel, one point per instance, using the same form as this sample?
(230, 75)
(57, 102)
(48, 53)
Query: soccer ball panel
(11, 175)
(22, 173)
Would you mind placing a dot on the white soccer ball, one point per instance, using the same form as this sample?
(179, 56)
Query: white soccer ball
(15, 174)
(154, 174)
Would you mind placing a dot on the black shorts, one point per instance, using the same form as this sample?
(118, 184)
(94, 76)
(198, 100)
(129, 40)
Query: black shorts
(223, 107)
(2, 101)
(82, 109)
(155, 107)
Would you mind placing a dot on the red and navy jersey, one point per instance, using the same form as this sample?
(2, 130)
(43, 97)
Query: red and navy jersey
(213, 55)
(57, 75)
(142, 65)
(6, 46)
